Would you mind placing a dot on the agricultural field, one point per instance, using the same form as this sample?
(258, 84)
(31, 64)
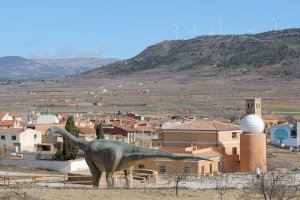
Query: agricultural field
(159, 96)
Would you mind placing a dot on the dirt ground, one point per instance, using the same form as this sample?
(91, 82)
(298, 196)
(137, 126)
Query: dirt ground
(132, 194)
(283, 158)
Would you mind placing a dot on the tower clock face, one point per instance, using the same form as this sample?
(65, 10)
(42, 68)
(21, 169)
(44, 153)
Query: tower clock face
(281, 134)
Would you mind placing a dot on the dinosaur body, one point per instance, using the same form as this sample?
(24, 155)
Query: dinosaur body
(110, 156)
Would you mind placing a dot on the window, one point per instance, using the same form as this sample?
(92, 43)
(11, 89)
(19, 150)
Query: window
(294, 132)
(248, 105)
(219, 167)
(234, 151)
(13, 137)
(2, 137)
(162, 169)
(141, 166)
(233, 135)
(202, 170)
(186, 170)
(34, 136)
(210, 168)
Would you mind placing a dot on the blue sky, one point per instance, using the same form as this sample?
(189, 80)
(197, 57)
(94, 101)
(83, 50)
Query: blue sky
(123, 28)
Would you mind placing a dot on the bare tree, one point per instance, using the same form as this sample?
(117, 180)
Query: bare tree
(274, 184)
(222, 182)
(178, 175)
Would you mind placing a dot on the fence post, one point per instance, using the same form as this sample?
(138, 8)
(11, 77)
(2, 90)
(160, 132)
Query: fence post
(64, 180)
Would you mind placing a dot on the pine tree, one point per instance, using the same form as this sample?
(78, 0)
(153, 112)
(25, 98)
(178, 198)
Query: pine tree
(99, 131)
(69, 151)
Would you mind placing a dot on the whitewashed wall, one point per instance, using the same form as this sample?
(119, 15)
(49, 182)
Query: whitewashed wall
(61, 166)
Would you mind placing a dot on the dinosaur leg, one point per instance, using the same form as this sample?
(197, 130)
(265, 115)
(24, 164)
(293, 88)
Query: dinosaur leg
(128, 176)
(96, 174)
(110, 180)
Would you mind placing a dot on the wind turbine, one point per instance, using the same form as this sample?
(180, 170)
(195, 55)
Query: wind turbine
(211, 31)
(221, 25)
(274, 18)
(194, 30)
(175, 29)
(250, 31)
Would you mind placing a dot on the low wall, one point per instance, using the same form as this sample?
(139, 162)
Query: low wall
(61, 166)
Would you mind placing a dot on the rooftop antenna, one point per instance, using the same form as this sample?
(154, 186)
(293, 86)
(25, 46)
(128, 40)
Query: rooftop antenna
(274, 18)
(175, 29)
(194, 30)
(221, 25)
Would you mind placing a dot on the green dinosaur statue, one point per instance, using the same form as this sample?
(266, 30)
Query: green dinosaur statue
(110, 156)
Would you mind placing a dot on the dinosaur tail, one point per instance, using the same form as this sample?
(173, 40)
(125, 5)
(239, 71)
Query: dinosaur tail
(142, 153)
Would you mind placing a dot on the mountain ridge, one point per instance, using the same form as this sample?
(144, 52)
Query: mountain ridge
(273, 53)
(20, 68)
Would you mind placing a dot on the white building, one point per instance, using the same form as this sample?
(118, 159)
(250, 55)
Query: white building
(5, 117)
(20, 139)
(287, 134)
(44, 119)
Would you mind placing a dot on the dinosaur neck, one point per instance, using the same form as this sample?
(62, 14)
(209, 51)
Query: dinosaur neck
(83, 145)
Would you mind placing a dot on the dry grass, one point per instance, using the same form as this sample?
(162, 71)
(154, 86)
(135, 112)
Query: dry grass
(283, 158)
(27, 170)
(132, 194)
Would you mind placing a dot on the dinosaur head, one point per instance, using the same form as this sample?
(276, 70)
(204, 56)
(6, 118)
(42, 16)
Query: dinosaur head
(50, 132)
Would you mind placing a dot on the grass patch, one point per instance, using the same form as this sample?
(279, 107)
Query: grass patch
(287, 110)
(188, 104)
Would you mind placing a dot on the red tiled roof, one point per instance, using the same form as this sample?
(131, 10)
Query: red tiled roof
(87, 130)
(206, 125)
(115, 130)
(145, 128)
(270, 117)
(2, 115)
(7, 123)
(128, 128)
(11, 131)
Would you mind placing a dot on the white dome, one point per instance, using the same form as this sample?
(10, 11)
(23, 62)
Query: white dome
(253, 124)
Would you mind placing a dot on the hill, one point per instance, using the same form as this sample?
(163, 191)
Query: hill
(275, 53)
(19, 68)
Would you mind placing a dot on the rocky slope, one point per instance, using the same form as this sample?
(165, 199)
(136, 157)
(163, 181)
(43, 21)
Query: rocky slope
(274, 53)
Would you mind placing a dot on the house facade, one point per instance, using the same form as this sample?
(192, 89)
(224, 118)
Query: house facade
(19, 139)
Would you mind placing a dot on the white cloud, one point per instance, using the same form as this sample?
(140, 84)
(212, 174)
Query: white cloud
(94, 52)
(68, 51)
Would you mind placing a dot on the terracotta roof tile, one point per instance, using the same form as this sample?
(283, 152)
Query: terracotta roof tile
(206, 125)
(145, 128)
(270, 117)
(7, 123)
(11, 131)
(87, 130)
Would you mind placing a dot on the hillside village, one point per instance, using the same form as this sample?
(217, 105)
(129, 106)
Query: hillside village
(23, 138)
(150, 100)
